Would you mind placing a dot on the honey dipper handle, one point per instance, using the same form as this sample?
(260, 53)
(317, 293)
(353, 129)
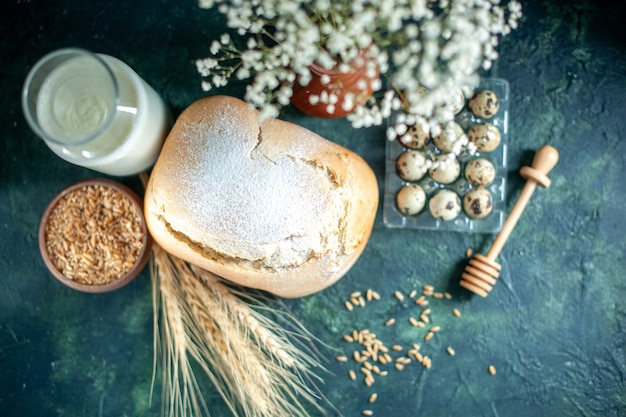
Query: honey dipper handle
(545, 159)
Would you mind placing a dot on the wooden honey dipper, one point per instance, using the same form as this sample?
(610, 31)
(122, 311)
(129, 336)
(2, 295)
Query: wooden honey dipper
(481, 273)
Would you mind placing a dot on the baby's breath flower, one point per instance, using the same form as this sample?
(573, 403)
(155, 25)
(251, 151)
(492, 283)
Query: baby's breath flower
(314, 99)
(421, 48)
(215, 47)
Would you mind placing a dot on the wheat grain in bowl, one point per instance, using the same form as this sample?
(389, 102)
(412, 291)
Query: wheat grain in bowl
(93, 236)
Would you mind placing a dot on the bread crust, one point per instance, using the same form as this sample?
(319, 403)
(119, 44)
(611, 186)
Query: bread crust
(290, 248)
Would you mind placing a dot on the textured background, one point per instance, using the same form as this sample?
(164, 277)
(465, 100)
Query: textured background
(554, 326)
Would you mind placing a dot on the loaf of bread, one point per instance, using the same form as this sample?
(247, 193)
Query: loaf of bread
(265, 204)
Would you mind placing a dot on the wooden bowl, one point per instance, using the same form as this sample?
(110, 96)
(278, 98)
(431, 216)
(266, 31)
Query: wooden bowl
(118, 282)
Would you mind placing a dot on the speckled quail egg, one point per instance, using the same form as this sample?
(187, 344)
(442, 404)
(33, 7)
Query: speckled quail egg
(478, 203)
(445, 169)
(445, 205)
(480, 172)
(457, 101)
(450, 133)
(484, 104)
(416, 137)
(485, 136)
(410, 199)
(411, 165)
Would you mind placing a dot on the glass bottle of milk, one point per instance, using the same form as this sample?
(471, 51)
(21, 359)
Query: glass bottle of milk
(93, 110)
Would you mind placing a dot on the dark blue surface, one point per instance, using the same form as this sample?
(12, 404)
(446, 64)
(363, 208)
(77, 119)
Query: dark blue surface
(554, 326)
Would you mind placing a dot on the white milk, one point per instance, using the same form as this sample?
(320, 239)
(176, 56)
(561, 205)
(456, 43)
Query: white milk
(76, 101)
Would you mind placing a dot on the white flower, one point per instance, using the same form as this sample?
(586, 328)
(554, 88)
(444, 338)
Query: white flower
(348, 102)
(401, 129)
(219, 81)
(204, 66)
(243, 73)
(338, 43)
(215, 47)
(421, 47)
(314, 99)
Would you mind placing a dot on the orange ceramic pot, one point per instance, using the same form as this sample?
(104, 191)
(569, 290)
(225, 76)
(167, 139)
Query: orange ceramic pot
(340, 85)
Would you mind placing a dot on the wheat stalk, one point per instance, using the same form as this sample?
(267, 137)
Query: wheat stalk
(259, 367)
(172, 344)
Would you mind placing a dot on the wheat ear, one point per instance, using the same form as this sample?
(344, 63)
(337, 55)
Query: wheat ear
(250, 359)
(172, 343)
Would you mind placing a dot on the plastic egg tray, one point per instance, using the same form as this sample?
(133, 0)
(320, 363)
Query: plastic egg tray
(493, 222)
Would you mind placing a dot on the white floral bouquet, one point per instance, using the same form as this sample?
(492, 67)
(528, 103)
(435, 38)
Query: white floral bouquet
(424, 51)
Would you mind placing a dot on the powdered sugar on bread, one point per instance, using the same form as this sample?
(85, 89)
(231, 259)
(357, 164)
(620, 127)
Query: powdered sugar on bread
(269, 205)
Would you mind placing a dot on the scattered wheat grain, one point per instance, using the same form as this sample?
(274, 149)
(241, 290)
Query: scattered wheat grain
(427, 362)
(94, 235)
(421, 301)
